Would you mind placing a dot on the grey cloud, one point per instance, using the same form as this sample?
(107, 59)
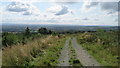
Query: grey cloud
(110, 6)
(19, 7)
(110, 12)
(85, 19)
(63, 11)
(67, 3)
(27, 13)
(70, 2)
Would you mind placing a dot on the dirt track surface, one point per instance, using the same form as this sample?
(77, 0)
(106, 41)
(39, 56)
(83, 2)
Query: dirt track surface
(64, 58)
(85, 58)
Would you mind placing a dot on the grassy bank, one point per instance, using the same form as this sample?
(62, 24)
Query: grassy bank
(103, 46)
(22, 55)
(50, 55)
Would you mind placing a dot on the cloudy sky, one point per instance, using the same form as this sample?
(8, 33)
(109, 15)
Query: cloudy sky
(72, 12)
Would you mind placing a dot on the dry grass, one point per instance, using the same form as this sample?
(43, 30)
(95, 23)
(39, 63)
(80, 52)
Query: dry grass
(19, 54)
(0, 58)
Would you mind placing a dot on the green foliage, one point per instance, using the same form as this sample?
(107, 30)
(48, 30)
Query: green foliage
(103, 56)
(13, 38)
(46, 31)
(43, 31)
(103, 46)
(100, 32)
(27, 32)
(88, 38)
(9, 39)
(50, 55)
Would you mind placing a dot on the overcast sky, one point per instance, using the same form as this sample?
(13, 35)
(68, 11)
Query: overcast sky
(72, 12)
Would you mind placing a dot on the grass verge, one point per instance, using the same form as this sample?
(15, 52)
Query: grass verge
(102, 47)
(50, 55)
(23, 55)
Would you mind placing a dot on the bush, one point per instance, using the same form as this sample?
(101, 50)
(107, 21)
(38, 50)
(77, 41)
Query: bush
(10, 39)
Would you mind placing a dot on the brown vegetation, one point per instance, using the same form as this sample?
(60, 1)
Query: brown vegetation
(19, 54)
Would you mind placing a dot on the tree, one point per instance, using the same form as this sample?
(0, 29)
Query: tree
(50, 32)
(4, 41)
(27, 32)
(43, 31)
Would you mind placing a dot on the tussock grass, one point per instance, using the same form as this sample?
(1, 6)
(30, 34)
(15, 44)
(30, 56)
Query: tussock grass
(46, 48)
(51, 54)
(17, 55)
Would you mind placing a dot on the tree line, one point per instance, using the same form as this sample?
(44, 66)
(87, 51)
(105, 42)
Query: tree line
(11, 38)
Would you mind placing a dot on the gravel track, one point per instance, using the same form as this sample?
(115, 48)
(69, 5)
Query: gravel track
(85, 58)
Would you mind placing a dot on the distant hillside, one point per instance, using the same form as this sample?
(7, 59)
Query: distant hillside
(58, 28)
